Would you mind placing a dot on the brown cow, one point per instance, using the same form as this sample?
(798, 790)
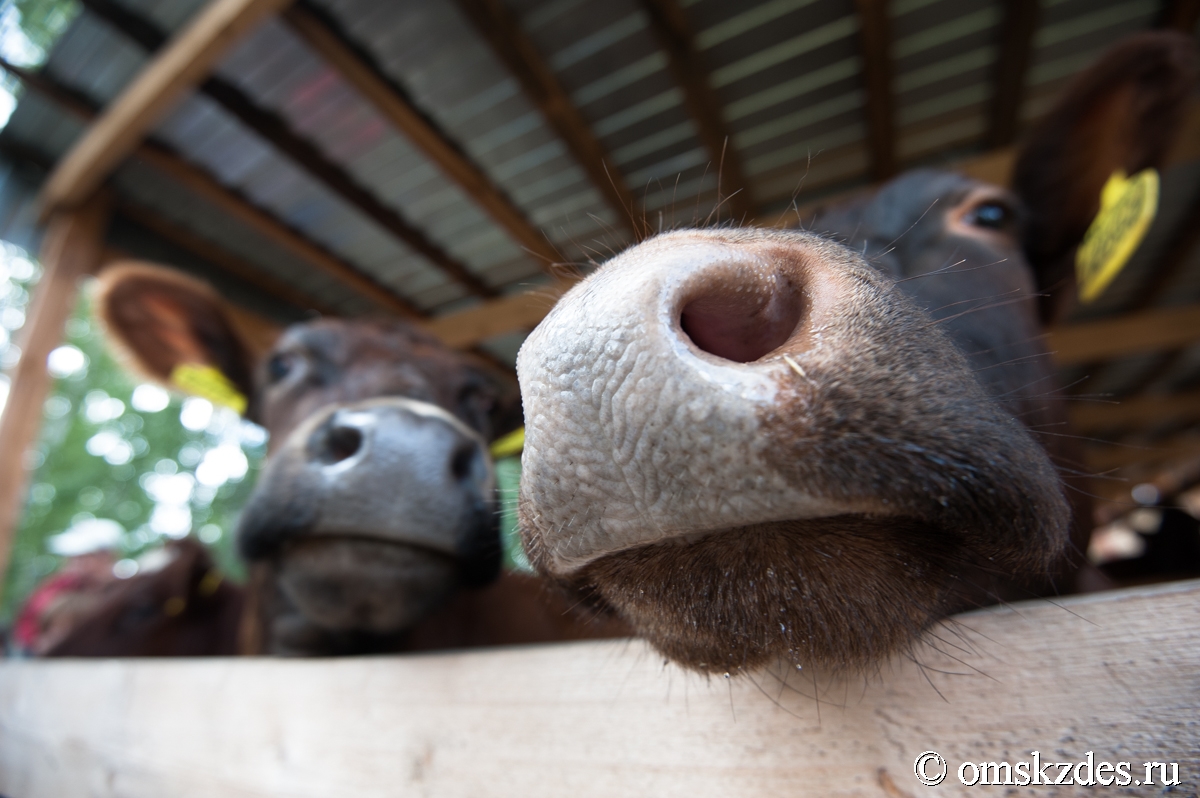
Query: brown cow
(183, 607)
(374, 526)
(762, 445)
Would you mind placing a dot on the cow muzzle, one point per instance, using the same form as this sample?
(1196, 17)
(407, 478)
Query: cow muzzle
(368, 502)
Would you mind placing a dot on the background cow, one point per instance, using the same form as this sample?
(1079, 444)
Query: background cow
(762, 444)
(378, 506)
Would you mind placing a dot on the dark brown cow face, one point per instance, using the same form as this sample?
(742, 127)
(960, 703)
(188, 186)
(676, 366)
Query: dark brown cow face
(809, 446)
(182, 607)
(378, 499)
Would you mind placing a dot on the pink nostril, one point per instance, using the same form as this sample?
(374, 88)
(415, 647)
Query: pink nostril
(744, 325)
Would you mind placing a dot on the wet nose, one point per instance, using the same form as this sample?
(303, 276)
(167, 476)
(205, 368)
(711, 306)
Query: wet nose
(390, 469)
(410, 445)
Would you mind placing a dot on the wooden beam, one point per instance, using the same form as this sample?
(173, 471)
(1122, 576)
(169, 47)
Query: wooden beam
(1138, 412)
(228, 200)
(1181, 15)
(359, 69)
(690, 72)
(1135, 333)
(500, 29)
(608, 718)
(279, 133)
(207, 187)
(875, 47)
(218, 256)
(73, 246)
(522, 311)
(1012, 65)
(1108, 458)
(151, 94)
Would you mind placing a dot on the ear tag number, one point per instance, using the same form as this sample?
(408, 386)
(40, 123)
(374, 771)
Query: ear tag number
(1127, 207)
(510, 445)
(208, 383)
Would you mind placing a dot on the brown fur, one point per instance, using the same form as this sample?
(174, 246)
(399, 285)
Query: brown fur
(184, 610)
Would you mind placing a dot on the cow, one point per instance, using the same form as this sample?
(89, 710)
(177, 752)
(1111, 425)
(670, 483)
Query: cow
(807, 446)
(374, 526)
(178, 604)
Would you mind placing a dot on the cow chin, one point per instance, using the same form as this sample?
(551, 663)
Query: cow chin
(840, 593)
(364, 585)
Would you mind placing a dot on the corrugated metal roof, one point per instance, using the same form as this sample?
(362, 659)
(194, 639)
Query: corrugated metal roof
(787, 73)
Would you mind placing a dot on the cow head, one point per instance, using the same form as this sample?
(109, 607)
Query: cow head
(378, 499)
(811, 445)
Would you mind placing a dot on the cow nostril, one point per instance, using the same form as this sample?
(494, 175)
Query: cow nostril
(462, 461)
(742, 322)
(341, 443)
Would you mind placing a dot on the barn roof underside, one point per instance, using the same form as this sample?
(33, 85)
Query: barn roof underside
(284, 132)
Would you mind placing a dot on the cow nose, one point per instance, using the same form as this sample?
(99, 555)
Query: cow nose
(339, 439)
(391, 469)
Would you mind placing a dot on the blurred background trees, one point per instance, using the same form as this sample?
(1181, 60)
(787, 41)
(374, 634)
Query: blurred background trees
(120, 462)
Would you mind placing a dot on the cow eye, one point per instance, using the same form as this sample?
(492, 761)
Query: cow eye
(992, 215)
(278, 367)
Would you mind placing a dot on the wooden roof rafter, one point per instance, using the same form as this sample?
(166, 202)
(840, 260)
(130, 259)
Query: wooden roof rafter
(1012, 66)
(875, 44)
(513, 47)
(274, 129)
(687, 67)
(150, 95)
(227, 199)
(360, 70)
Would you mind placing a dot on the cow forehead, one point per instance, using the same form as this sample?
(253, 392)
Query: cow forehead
(344, 339)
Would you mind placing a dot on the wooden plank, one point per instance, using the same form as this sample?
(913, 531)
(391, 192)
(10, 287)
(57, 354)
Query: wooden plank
(875, 46)
(1116, 674)
(279, 133)
(203, 184)
(359, 70)
(1012, 65)
(73, 246)
(1138, 412)
(500, 29)
(689, 70)
(1147, 331)
(155, 90)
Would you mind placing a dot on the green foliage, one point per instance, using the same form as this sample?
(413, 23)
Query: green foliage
(42, 22)
(508, 477)
(101, 457)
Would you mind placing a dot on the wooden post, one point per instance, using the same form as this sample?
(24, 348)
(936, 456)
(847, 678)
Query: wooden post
(73, 246)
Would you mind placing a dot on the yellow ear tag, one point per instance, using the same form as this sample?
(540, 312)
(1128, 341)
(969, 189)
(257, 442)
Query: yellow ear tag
(208, 383)
(510, 445)
(1127, 207)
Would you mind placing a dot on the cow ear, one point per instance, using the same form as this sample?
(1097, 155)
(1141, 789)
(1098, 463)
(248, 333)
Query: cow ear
(175, 330)
(1118, 116)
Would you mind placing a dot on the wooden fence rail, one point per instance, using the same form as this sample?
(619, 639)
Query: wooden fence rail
(1115, 674)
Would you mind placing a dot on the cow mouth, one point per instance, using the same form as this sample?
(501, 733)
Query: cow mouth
(840, 592)
(363, 583)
